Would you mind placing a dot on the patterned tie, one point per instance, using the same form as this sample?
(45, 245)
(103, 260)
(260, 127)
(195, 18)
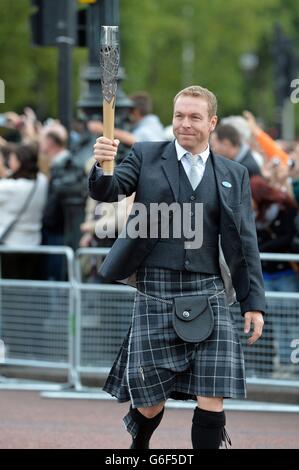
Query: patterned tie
(195, 175)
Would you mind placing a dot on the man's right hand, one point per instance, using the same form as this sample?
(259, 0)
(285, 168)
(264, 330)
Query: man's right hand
(105, 149)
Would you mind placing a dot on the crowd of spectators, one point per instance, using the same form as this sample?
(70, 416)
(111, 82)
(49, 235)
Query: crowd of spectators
(35, 156)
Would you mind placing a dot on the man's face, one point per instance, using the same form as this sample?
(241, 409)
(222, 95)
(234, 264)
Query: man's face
(192, 124)
(225, 148)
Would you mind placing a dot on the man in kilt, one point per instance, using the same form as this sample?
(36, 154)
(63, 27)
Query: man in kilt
(154, 363)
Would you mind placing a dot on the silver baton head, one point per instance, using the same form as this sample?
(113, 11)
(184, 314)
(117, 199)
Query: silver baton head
(109, 60)
(109, 36)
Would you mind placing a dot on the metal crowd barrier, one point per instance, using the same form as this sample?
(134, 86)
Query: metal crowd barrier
(104, 313)
(37, 322)
(103, 317)
(79, 325)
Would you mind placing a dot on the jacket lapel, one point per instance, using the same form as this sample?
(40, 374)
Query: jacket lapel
(225, 191)
(170, 166)
(222, 176)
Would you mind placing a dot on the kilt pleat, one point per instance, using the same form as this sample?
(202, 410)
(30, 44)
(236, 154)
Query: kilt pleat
(154, 364)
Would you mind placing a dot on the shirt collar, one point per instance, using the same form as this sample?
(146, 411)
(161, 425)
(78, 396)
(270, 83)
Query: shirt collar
(181, 152)
(243, 151)
(60, 157)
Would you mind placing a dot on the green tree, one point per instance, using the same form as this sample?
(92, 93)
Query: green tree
(16, 70)
(165, 45)
(30, 73)
(156, 35)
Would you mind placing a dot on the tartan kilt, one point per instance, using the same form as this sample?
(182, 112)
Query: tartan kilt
(154, 364)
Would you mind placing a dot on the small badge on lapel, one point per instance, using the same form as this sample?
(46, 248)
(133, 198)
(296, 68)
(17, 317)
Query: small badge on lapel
(226, 184)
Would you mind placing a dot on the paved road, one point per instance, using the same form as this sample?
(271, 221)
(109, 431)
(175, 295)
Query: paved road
(31, 422)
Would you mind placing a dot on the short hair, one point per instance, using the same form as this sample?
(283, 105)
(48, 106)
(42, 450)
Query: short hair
(57, 133)
(27, 155)
(226, 131)
(200, 92)
(6, 150)
(56, 138)
(143, 102)
(239, 123)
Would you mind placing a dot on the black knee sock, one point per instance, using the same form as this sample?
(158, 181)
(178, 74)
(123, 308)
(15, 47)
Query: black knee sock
(146, 427)
(208, 429)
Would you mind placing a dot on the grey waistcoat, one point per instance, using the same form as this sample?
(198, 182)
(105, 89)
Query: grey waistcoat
(173, 253)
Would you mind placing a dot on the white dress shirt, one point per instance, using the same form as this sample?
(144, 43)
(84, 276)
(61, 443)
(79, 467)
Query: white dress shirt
(200, 164)
(13, 193)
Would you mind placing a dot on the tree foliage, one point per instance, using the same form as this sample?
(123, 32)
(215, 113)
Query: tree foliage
(218, 33)
(15, 53)
(30, 73)
(165, 45)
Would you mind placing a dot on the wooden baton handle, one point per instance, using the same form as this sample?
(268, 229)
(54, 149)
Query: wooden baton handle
(108, 131)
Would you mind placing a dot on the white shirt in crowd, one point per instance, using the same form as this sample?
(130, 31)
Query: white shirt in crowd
(13, 193)
(149, 129)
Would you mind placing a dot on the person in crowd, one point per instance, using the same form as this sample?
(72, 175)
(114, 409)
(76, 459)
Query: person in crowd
(53, 146)
(268, 146)
(5, 151)
(227, 142)
(275, 213)
(154, 362)
(294, 171)
(22, 200)
(26, 124)
(247, 139)
(103, 223)
(282, 165)
(146, 126)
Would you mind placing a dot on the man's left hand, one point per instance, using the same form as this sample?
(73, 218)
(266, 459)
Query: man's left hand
(258, 322)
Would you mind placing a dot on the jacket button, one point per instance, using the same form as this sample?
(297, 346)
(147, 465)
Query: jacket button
(192, 198)
(186, 314)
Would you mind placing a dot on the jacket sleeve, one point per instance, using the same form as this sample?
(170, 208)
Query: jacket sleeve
(255, 299)
(122, 182)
